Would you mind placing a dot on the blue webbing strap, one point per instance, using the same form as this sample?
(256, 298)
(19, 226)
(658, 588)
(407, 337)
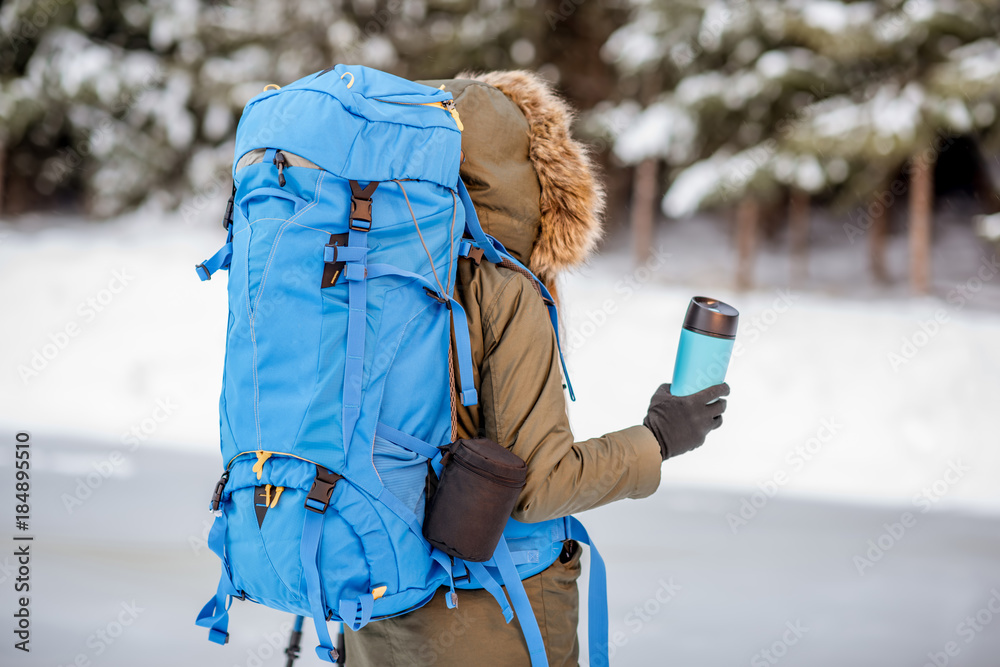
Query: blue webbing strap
(399, 508)
(312, 529)
(215, 614)
(479, 572)
(220, 260)
(473, 227)
(550, 303)
(357, 302)
(444, 561)
(597, 600)
(357, 613)
(344, 253)
(521, 604)
(460, 326)
(466, 378)
(494, 252)
(407, 441)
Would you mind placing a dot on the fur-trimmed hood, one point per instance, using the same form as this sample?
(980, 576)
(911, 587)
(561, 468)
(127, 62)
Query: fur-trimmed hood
(534, 186)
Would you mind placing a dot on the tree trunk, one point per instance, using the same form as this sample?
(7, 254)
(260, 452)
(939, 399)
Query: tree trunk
(644, 192)
(798, 224)
(3, 173)
(746, 241)
(877, 238)
(921, 194)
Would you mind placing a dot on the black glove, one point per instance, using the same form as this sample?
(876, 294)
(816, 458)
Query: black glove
(680, 423)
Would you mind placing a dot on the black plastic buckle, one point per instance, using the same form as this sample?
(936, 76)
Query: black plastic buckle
(476, 255)
(360, 228)
(361, 205)
(437, 297)
(227, 219)
(202, 267)
(322, 489)
(219, 487)
(465, 577)
(361, 209)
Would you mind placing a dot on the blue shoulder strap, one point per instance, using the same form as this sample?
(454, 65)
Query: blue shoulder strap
(495, 253)
(473, 226)
(597, 599)
(501, 567)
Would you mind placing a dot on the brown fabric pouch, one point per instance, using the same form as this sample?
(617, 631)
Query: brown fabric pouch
(479, 486)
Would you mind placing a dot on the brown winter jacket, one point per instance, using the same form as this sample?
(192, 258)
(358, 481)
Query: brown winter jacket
(545, 209)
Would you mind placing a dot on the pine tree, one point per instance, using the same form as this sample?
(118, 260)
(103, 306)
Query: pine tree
(133, 100)
(752, 98)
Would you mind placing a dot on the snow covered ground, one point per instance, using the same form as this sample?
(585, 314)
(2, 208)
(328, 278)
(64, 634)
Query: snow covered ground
(854, 392)
(830, 441)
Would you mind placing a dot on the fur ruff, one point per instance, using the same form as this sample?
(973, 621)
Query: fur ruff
(572, 197)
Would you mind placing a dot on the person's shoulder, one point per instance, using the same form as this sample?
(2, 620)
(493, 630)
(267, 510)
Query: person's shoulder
(501, 292)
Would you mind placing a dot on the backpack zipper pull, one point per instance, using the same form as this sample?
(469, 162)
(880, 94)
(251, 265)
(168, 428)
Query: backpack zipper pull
(281, 162)
(259, 466)
(449, 106)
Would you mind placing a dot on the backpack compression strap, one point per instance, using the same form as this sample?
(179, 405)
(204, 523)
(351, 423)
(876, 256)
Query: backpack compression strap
(222, 258)
(215, 614)
(495, 253)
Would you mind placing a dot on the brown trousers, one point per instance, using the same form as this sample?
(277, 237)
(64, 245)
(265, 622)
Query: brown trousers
(475, 632)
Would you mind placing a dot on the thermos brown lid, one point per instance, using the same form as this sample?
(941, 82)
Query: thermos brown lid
(712, 317)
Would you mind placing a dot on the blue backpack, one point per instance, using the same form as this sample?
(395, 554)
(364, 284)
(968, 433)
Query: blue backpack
(346, 223)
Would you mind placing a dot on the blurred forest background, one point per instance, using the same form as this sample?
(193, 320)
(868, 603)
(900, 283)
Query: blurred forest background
(826, 154)
(761, 109)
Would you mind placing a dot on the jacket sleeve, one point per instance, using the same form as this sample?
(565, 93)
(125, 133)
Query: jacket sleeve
(524, 409)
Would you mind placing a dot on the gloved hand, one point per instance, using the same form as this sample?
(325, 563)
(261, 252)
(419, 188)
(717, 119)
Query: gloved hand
(680, 423)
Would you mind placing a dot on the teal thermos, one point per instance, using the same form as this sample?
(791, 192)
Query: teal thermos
(706, 345)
